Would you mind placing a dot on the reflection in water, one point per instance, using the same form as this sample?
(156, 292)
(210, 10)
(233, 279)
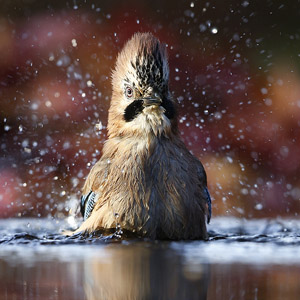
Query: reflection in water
(39, 278)
(139, 272)
(267, 282)
(115, 271)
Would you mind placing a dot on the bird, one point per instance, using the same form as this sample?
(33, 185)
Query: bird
(146, 182)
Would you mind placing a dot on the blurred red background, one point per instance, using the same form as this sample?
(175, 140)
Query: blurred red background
(234, 71)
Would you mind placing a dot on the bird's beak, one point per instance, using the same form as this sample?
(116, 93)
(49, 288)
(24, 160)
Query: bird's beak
(153, 100)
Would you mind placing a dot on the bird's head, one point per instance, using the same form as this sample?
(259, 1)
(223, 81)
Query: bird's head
(141, 102)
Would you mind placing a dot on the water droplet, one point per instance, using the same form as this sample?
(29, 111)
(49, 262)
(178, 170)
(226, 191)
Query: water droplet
(48, 103)
(264, 91)
(244, 191)
(74, 43)
(268, 101)
(99, 126)
(258, 206)
(245, 3)
(218, 115)
(214, 30)
(229, 159)
(202, 27)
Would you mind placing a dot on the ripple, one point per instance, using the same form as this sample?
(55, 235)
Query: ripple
(231, 240)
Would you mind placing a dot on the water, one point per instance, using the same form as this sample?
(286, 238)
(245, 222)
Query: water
(257, 259)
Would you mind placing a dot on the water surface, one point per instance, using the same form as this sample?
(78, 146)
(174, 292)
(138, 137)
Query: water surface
(257, 259)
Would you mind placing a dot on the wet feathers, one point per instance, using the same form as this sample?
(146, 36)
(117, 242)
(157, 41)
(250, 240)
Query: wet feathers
(146, 176)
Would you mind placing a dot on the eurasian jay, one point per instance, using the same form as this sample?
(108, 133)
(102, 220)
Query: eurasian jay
(147, 182)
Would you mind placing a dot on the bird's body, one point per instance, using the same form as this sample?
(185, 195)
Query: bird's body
(146, 180)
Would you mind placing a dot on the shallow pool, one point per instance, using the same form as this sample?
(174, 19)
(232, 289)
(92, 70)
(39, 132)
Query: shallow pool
(258, 259)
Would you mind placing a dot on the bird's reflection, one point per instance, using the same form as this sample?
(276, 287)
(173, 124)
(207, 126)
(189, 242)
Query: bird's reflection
(139, 272)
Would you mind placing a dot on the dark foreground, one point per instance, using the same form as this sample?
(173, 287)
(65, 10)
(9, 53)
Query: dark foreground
(242, 260)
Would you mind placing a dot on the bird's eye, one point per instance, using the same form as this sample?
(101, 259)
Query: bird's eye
(128, 92)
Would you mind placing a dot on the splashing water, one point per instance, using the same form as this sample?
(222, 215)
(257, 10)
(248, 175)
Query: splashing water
(282, 235)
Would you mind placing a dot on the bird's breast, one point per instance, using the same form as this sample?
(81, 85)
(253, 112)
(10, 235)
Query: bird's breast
(151, 184)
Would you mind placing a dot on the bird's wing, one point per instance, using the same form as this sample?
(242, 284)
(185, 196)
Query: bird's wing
(87, 204)
(91, 192)
(208, 203)
(203, 180)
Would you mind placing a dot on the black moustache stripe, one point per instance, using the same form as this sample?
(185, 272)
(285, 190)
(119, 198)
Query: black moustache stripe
(136, 107)
(133, 109)
(170, 109)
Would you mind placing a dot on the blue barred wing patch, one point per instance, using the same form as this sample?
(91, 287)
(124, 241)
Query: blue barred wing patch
(208, 201)
(87, 204)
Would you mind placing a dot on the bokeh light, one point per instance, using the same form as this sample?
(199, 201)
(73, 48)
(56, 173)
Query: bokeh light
(234, 73)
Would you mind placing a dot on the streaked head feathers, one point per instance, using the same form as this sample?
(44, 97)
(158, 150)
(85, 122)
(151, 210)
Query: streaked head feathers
(141, 101)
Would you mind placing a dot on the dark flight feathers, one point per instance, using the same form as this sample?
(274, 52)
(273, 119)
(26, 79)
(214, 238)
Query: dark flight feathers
(87, 204)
